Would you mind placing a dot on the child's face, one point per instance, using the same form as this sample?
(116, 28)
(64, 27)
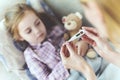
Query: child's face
(31, 29)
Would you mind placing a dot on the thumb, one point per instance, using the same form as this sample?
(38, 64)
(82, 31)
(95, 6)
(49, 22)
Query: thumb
(62, 52)
(91, 36)
(70, 49)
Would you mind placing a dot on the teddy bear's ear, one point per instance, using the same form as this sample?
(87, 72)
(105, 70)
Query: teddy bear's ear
(64, 19)
(78, 14)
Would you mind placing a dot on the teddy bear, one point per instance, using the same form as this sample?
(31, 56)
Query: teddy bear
(72, 24)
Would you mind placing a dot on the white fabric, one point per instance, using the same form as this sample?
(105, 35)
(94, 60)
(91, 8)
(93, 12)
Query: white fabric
(14, 59)
(110, 73)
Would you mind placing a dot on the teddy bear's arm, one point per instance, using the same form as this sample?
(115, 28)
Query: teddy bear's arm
(66, 36)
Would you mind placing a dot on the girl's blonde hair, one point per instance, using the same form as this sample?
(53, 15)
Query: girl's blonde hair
(13, 16)
(111, 13)
(16, 13)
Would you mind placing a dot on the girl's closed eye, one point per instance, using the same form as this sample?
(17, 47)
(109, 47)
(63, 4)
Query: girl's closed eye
(37, 23)
(28, 31)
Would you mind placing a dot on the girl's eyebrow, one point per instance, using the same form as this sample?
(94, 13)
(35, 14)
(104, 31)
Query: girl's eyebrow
(29, 26)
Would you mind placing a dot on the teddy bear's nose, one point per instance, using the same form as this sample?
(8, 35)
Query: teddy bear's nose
(69, 23)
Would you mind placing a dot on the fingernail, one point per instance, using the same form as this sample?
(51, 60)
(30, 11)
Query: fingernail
(83, 27)
(66, 42)
(85, 31)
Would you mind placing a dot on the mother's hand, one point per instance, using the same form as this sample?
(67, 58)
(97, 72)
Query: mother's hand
(100, 44)
(72, 60)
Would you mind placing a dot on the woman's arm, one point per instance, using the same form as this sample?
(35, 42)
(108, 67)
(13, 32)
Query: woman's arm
(95, 16)
(111, 56)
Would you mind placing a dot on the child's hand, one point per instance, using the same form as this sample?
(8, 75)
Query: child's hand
(82, 48)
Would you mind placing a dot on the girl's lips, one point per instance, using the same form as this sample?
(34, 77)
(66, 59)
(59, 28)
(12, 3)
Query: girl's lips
(40, 35)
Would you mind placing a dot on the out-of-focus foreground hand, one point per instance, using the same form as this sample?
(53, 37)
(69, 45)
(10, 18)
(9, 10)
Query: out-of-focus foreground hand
(72, 60)
(92, 36)
(95, 16)
(93, 13)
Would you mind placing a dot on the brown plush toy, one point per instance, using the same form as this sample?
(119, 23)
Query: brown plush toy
(72, 24)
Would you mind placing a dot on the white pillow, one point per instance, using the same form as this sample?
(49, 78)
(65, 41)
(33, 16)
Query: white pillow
(13, 57)
(5, 4)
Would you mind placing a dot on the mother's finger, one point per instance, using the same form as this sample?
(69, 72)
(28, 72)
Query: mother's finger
(64, 52)
(87, 39)
(70, 49)
(91, 30)
(91, 35)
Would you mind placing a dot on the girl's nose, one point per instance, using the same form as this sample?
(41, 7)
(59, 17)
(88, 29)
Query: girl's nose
(36, 31)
